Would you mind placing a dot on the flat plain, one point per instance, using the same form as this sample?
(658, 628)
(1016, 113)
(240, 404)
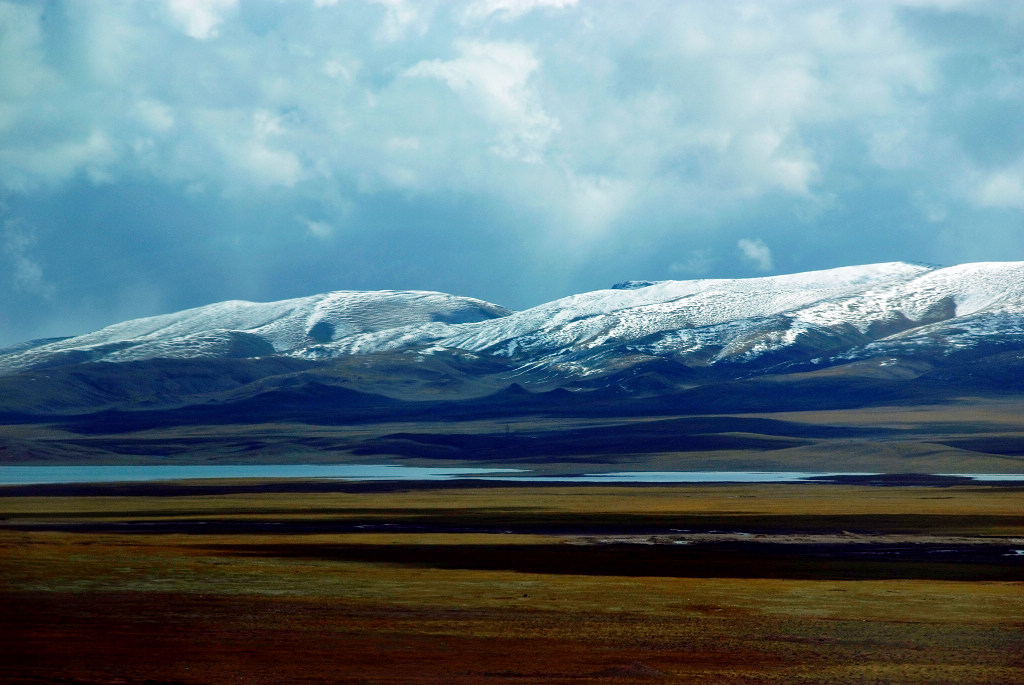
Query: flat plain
(329, 582)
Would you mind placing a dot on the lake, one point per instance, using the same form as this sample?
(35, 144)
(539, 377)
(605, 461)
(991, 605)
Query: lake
(35, 475)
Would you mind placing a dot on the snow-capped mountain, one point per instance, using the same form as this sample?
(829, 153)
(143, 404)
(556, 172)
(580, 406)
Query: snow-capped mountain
(249, 329)
(817, 317)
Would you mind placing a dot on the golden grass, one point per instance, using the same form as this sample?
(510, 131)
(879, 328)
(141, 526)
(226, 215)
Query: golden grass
(185, 563)
(746, 499)
(101, 607)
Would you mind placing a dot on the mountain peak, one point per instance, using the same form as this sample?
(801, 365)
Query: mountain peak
(633, 285)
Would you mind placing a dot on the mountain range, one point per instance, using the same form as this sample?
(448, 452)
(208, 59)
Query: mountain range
(956, 327)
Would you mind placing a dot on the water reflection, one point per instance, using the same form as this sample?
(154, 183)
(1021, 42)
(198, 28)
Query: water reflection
(25, 475)
(38, 475)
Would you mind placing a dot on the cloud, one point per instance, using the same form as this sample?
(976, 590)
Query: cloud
(508, 10)
(200, 19)
(494, 77)
(725, 105)
(698, 263)
(317, 229)
(757, 253)
(595, 138)
(154, 115)
(22, 48)
(91, 153)
(1002, 189)
(16, 240)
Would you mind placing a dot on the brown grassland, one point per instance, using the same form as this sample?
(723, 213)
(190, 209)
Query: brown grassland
(210, 583)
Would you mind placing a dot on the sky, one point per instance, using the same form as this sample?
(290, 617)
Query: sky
(164, 154)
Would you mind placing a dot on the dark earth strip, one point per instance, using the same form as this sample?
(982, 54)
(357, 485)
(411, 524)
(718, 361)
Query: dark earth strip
(714, 560)
(530, 522)
(183, 489)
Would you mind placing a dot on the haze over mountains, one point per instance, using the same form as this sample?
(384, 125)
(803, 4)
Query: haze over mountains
(959, 324)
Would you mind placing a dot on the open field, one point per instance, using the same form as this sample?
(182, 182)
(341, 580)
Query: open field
(386, 583)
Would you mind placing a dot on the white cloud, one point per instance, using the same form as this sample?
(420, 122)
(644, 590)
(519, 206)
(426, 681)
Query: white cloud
(399, 17)
(1003, 189)
(317, 229)
(509, 10)
(409, 144)
(252, 148)
(757, 253)
(698, 263)
(154, 115)
(16, 240)
(494, 78)
(597, 202)
(338, 69)
(23, 167)
(269, 167)
(26, 73)
(744, 109)
(684, 109)
(766, 162)
(266, 164)
(200, 19)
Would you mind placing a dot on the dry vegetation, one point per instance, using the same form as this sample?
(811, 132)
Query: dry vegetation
(85, 601)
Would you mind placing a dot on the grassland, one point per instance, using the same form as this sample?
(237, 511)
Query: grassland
(314, 583)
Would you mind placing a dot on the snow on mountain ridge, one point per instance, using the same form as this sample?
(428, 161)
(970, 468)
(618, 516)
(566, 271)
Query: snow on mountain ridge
(240, 328)
(851, 311)
(590, 319)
